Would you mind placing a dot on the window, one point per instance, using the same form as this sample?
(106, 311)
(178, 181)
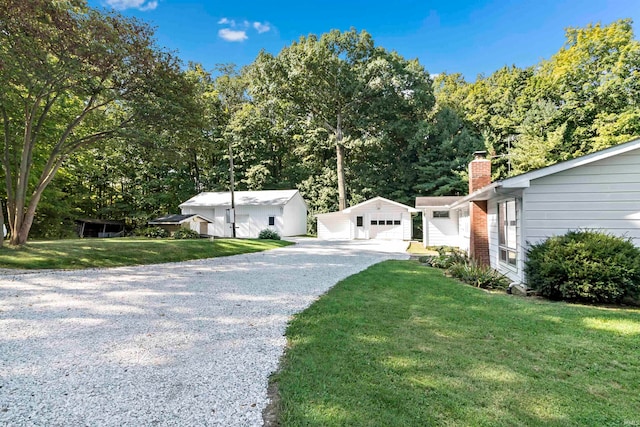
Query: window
(272, 220)
(389, 222)
(359, 221)
(374, 222)
(396, 222)
(507, 232)
(441, 214)
(229, 216)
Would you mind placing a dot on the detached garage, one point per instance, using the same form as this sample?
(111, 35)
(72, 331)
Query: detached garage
(377, 218)
(284, 211)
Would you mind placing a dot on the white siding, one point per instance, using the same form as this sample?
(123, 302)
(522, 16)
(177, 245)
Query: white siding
(384, 211)
(334, 227)
(464, 228)
(407, 226)
(295, 217)
(343, 225)
(441, 231)
(604, 195)
(250, 220)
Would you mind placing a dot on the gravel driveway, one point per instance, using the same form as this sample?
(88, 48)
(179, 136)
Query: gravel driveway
(181, 344)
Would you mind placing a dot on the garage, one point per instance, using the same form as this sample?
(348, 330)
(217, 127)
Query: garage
(386, 226)
(377, 218)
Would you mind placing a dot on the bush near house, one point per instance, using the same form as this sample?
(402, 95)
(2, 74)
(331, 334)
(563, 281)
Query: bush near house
(478, 275)
(458, 265)
(584, 265)
(447, 256)
(268, 234)
(186, 233)
(153, 232)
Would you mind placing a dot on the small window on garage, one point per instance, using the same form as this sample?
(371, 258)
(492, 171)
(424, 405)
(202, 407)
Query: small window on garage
(441, 214)
(389, 222)
(374, 222)
(359, 221)
(396, 222)
(272, 220)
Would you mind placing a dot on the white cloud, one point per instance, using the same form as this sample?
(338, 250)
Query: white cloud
(261, 27)
(232, 35)
(227, 21)
(142, 5)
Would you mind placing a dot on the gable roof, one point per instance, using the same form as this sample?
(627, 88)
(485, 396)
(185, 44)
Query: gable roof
(242, 198)
(436, 202)
(524, 180)
(379, 199)
(175, 219)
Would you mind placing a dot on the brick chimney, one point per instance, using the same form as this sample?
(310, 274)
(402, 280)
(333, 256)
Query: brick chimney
(479, 176)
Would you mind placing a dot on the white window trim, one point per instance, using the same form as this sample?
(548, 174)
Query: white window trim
(504, 247)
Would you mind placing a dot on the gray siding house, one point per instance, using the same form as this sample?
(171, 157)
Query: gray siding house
(598, 191)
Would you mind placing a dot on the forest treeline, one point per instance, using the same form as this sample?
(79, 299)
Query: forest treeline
(104, 124)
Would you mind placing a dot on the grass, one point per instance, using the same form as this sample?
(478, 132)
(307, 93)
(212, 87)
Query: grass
(401, 345)
(115, 252)
(416, 248)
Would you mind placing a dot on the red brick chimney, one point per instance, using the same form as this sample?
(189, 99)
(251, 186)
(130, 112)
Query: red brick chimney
(479, 176)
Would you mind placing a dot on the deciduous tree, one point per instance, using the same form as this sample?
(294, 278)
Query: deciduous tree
(72, 76)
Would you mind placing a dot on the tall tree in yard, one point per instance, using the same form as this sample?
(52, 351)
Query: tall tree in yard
(343, 84)
(71, 76)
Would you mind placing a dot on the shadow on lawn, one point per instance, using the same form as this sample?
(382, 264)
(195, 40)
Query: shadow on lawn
(401, 345)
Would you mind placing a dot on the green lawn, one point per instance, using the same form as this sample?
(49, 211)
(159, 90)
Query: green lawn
(87, 253)
(416, 248)
(401, 345)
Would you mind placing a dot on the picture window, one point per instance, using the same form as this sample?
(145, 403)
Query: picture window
(507, 232)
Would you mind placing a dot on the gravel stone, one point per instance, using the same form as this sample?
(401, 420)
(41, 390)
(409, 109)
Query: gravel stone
(180, 344)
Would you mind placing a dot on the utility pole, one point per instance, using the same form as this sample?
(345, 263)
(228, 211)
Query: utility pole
(233, 204)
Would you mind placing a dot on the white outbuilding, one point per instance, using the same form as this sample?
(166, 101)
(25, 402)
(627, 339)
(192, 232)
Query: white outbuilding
(377, 218)
(283, 211)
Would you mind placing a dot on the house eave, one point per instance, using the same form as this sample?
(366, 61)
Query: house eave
(482, 194)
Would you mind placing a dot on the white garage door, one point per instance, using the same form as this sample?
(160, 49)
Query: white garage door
(386, 226)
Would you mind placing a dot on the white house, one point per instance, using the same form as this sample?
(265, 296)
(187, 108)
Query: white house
(498, 221)
(284, 211)
(174, 222)
(442, 226)
(377, 218)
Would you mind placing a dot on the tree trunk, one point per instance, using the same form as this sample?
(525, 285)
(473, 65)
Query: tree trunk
(1, 225)
(342, 197)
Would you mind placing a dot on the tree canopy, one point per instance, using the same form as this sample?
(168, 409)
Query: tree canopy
(97, 121)
(72, 76)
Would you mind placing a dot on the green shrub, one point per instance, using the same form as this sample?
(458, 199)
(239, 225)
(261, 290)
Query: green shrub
(153, 232)
(478, 275)
(268, 234)
(589, 266)
(447, 256)
(186, 233)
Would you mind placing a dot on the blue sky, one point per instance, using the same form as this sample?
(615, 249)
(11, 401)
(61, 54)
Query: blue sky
(465, 36)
